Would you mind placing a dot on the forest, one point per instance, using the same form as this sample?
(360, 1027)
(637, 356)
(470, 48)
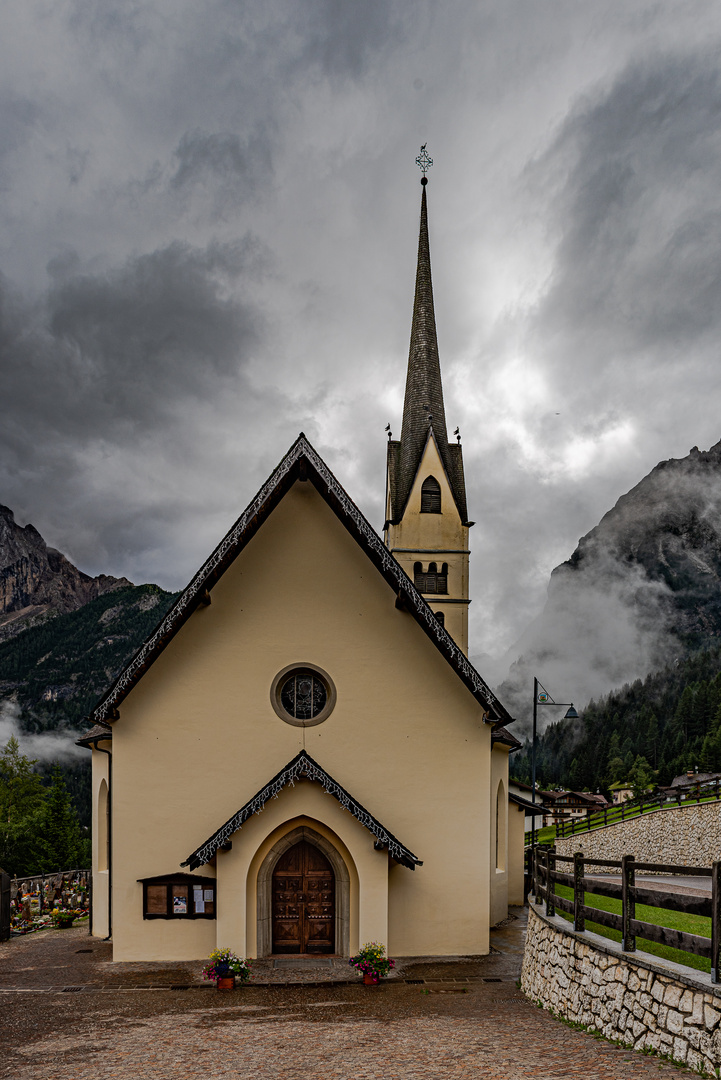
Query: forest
(647, 732)
(52, 675)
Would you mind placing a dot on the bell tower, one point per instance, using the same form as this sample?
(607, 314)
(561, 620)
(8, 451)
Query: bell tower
(427, 524)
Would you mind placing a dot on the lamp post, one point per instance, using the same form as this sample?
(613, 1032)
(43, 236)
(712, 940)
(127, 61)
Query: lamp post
(542, 697)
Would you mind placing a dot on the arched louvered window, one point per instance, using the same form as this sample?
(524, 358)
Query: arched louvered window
(430, 496)
(431, 581)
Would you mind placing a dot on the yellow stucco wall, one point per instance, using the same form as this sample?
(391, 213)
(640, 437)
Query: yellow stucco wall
(418, 534)
(197, 737)
(498, 863)
(516, 845)
(100, 786)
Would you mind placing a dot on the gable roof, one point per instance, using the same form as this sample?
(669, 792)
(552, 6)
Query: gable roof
(301, 765)
(301, 462)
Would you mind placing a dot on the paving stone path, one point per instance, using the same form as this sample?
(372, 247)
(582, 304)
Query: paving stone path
(457, 1019)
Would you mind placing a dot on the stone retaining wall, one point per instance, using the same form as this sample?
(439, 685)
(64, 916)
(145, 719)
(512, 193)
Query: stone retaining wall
(646, 1003)
(689, 835)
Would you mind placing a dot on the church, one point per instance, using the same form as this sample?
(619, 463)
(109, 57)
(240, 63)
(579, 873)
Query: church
(301, 757)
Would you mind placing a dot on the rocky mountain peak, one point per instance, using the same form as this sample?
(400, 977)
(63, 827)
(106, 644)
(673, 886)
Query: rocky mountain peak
(641, 589)
(36, 580)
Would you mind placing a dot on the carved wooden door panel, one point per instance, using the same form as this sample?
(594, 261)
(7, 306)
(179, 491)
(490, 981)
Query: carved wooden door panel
(303, 902)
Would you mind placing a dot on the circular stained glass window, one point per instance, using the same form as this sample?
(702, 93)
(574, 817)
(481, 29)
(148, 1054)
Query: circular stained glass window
(303, 695)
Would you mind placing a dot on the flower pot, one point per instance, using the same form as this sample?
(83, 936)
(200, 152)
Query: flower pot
(225, 982)
(65, 924)
(370, 979)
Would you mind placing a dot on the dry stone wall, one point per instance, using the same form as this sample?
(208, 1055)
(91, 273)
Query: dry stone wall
(646, 1003)
(689, 836)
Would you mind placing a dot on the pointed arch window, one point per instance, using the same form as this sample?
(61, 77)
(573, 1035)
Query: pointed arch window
(432, 580)
(430, 496)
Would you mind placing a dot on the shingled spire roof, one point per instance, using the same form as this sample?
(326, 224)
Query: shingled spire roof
(424, 395)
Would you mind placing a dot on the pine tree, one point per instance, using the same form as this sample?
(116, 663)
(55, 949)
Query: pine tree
(22, 800)
(61, 835)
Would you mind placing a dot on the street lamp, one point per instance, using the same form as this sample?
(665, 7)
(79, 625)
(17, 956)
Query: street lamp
(542, 697)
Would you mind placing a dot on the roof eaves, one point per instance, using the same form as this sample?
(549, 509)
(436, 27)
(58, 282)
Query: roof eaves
(95, 735)
(530, 807)
(301, 765)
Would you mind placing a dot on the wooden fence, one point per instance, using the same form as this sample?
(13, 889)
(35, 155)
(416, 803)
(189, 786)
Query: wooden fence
(612, 815)
(546, 875)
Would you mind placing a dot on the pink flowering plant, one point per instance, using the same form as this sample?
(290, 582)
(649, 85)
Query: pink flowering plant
(223, 963)
(372, 960)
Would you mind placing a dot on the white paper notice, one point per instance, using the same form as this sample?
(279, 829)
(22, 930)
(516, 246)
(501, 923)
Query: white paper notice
(198, 899)
(208, 895)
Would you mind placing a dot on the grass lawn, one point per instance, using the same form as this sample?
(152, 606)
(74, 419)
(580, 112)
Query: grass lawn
(677, 920)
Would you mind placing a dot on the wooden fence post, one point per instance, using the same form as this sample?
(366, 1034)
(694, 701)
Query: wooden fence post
(550, 884)
(579, 922)
(539, 872)
(543, 874)
(716, 922)
(628, 903)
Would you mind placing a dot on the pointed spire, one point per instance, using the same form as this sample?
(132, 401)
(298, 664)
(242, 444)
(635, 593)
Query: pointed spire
(423, 407)
(424, 390)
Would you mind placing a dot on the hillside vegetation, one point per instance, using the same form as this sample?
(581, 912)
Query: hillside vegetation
(668, 723)
(52, 675)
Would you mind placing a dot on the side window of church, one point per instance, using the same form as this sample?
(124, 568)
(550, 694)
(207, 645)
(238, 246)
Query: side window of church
(430, 496)
(176, 899)
(431, 581)
(440, 617)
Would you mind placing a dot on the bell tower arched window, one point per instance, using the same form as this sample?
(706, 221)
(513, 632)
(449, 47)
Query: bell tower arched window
(432, 580)
(430, 496)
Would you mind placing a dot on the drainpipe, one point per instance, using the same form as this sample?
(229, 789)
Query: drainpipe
(110, 841)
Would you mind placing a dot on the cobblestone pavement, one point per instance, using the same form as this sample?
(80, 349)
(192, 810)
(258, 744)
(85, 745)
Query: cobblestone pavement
(456, 1019)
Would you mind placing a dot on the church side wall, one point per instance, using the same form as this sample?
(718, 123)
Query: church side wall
(498, 863)
(198, 737)
(516, 847)
(100, 788)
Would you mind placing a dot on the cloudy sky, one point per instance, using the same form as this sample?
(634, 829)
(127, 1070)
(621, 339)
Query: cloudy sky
(208, 229)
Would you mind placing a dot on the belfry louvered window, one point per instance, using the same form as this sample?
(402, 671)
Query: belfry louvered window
(432, 580)
(430, 496)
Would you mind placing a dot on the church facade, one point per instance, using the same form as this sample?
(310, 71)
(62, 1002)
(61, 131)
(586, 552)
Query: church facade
(301, 757)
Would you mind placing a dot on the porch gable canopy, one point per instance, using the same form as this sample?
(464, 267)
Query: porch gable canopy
(302, 765)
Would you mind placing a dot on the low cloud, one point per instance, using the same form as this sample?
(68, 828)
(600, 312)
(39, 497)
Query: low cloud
(47, 747)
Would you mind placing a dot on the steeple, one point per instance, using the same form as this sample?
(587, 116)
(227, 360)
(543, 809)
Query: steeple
(426, 518)
(423, 408)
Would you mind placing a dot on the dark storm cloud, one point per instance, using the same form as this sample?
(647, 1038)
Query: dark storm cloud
(129, 345)
(638, 209)
(342, 38)
(631, 319)
(105, 379)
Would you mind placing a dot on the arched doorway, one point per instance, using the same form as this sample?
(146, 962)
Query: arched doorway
(303, 901)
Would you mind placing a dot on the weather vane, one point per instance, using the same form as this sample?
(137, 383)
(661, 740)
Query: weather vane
(424, 162)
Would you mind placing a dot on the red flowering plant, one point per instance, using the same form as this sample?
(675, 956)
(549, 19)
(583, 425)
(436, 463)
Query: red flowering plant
(372, 960)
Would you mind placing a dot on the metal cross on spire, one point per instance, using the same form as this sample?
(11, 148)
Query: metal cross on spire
(424, 162)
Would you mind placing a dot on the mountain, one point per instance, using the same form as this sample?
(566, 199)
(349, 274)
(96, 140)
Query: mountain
(37, 581)
(671, 721)
(64, 636)
(642, 589)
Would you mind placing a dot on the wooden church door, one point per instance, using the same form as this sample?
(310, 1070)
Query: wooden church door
(303, 902)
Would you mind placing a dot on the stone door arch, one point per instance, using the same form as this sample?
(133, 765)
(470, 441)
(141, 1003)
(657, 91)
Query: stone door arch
(265, 888)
